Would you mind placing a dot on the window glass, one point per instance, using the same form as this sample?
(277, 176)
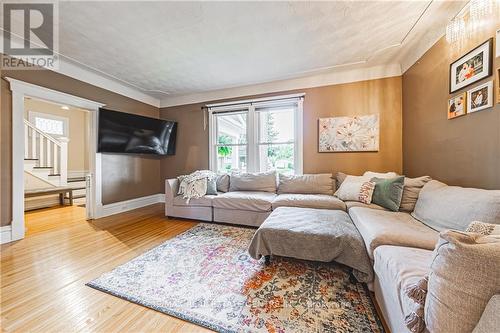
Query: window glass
(50, 126)
(258, 138)
(276, 125)
(232, 128)
(231, 142)
(279, 157)
(231, 158)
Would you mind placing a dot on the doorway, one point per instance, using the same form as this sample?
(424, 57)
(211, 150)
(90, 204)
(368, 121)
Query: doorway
(56, 162)
(21, 93)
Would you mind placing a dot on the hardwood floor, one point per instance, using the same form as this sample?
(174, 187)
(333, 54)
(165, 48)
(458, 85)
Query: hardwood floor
(43, 276)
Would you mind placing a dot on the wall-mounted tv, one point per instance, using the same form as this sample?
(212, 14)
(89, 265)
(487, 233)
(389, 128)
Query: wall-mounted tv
(131, 134)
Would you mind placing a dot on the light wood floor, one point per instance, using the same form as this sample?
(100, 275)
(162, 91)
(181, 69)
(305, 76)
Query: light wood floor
(43, 276)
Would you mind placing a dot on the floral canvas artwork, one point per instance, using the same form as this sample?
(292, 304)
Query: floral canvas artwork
(347, 134)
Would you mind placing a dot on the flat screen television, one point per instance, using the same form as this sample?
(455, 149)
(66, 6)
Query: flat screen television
(131, 134)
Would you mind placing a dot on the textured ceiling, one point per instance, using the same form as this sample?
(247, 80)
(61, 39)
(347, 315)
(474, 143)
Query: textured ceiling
(186, 47)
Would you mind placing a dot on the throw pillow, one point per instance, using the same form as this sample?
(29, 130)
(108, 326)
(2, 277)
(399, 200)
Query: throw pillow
(366, 192)
(483, 228)
(417, 293)
(388, 192)
(463, 278)
(371, 174)
(411, 190)
(223, 182)
(340, 177)
(350, 188)
(182, 184)
(212, 186)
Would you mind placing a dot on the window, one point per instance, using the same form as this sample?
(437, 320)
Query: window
(50, 124)
(257, 136)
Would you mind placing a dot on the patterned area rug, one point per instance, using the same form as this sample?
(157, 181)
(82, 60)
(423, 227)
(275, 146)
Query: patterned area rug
(205, 276)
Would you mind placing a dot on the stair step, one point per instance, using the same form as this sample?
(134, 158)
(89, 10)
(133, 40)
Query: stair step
(40, 167)
(54, 175)
(76, 179)
(31, 159)
(78, 188)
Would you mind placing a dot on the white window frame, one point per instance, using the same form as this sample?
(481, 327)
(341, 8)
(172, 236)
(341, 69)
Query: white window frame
(252, 128)
(35, 114)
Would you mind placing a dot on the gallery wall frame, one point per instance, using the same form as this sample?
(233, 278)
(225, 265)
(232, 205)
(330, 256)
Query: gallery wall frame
(464, 71)
(480, 97)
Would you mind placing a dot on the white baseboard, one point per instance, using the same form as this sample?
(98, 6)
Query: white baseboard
(124, 206)
(5, 234)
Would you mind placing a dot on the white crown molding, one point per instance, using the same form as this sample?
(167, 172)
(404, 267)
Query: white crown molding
(101, 80)
(318, 80)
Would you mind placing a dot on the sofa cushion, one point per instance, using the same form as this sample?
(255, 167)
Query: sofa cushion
(452, 207)
(396, 268)
(223, 182)
(245, 200)
(380, 227)
(411, 190)
(464, 275)
(306, 184)
(321, 201)
(351, 204)
(246, 181)
(204, 201)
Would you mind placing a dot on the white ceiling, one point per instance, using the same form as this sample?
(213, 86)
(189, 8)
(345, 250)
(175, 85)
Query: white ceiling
(168, 49)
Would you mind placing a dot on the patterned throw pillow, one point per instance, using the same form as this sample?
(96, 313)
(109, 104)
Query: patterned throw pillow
(366, 192)
(483, 228)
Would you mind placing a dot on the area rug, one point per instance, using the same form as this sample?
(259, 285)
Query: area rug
(206, 276)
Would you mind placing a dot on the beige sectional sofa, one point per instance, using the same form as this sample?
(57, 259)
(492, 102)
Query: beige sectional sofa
(400, 244)
(251, 197)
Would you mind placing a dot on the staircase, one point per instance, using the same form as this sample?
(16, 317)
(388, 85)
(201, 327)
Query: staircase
(45, 158)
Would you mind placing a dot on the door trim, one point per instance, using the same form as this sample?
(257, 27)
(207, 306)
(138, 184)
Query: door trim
(20, 90)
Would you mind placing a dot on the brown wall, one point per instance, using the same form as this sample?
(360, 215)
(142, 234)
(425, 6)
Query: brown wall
(123, 176)
(382, 96)
(462, 151)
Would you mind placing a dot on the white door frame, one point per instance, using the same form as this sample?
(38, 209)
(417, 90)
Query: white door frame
(20, 90)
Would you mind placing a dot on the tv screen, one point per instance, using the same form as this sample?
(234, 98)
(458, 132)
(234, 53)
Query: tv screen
(127, 133)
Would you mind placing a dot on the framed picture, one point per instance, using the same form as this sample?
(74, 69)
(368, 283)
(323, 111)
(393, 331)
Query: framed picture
(480, 97)
(498, 85)
(472, 67)
(348, 134)
(456, 106)
(498, 44)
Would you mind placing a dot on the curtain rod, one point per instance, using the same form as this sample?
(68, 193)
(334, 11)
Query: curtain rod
(254, 101)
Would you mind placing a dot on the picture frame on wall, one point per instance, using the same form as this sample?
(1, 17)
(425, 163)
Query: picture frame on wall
(472, 67)
(498, 44)
(349, 134)
(498, 85)
(480, 97)
(457, 106)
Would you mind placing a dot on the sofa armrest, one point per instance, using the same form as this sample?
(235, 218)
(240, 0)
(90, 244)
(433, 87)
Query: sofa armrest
(171, 189)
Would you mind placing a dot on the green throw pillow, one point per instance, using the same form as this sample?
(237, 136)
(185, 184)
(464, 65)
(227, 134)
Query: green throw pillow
(388, 192)
(212, 186)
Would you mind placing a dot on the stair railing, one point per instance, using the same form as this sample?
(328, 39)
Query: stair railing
(49, 151)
